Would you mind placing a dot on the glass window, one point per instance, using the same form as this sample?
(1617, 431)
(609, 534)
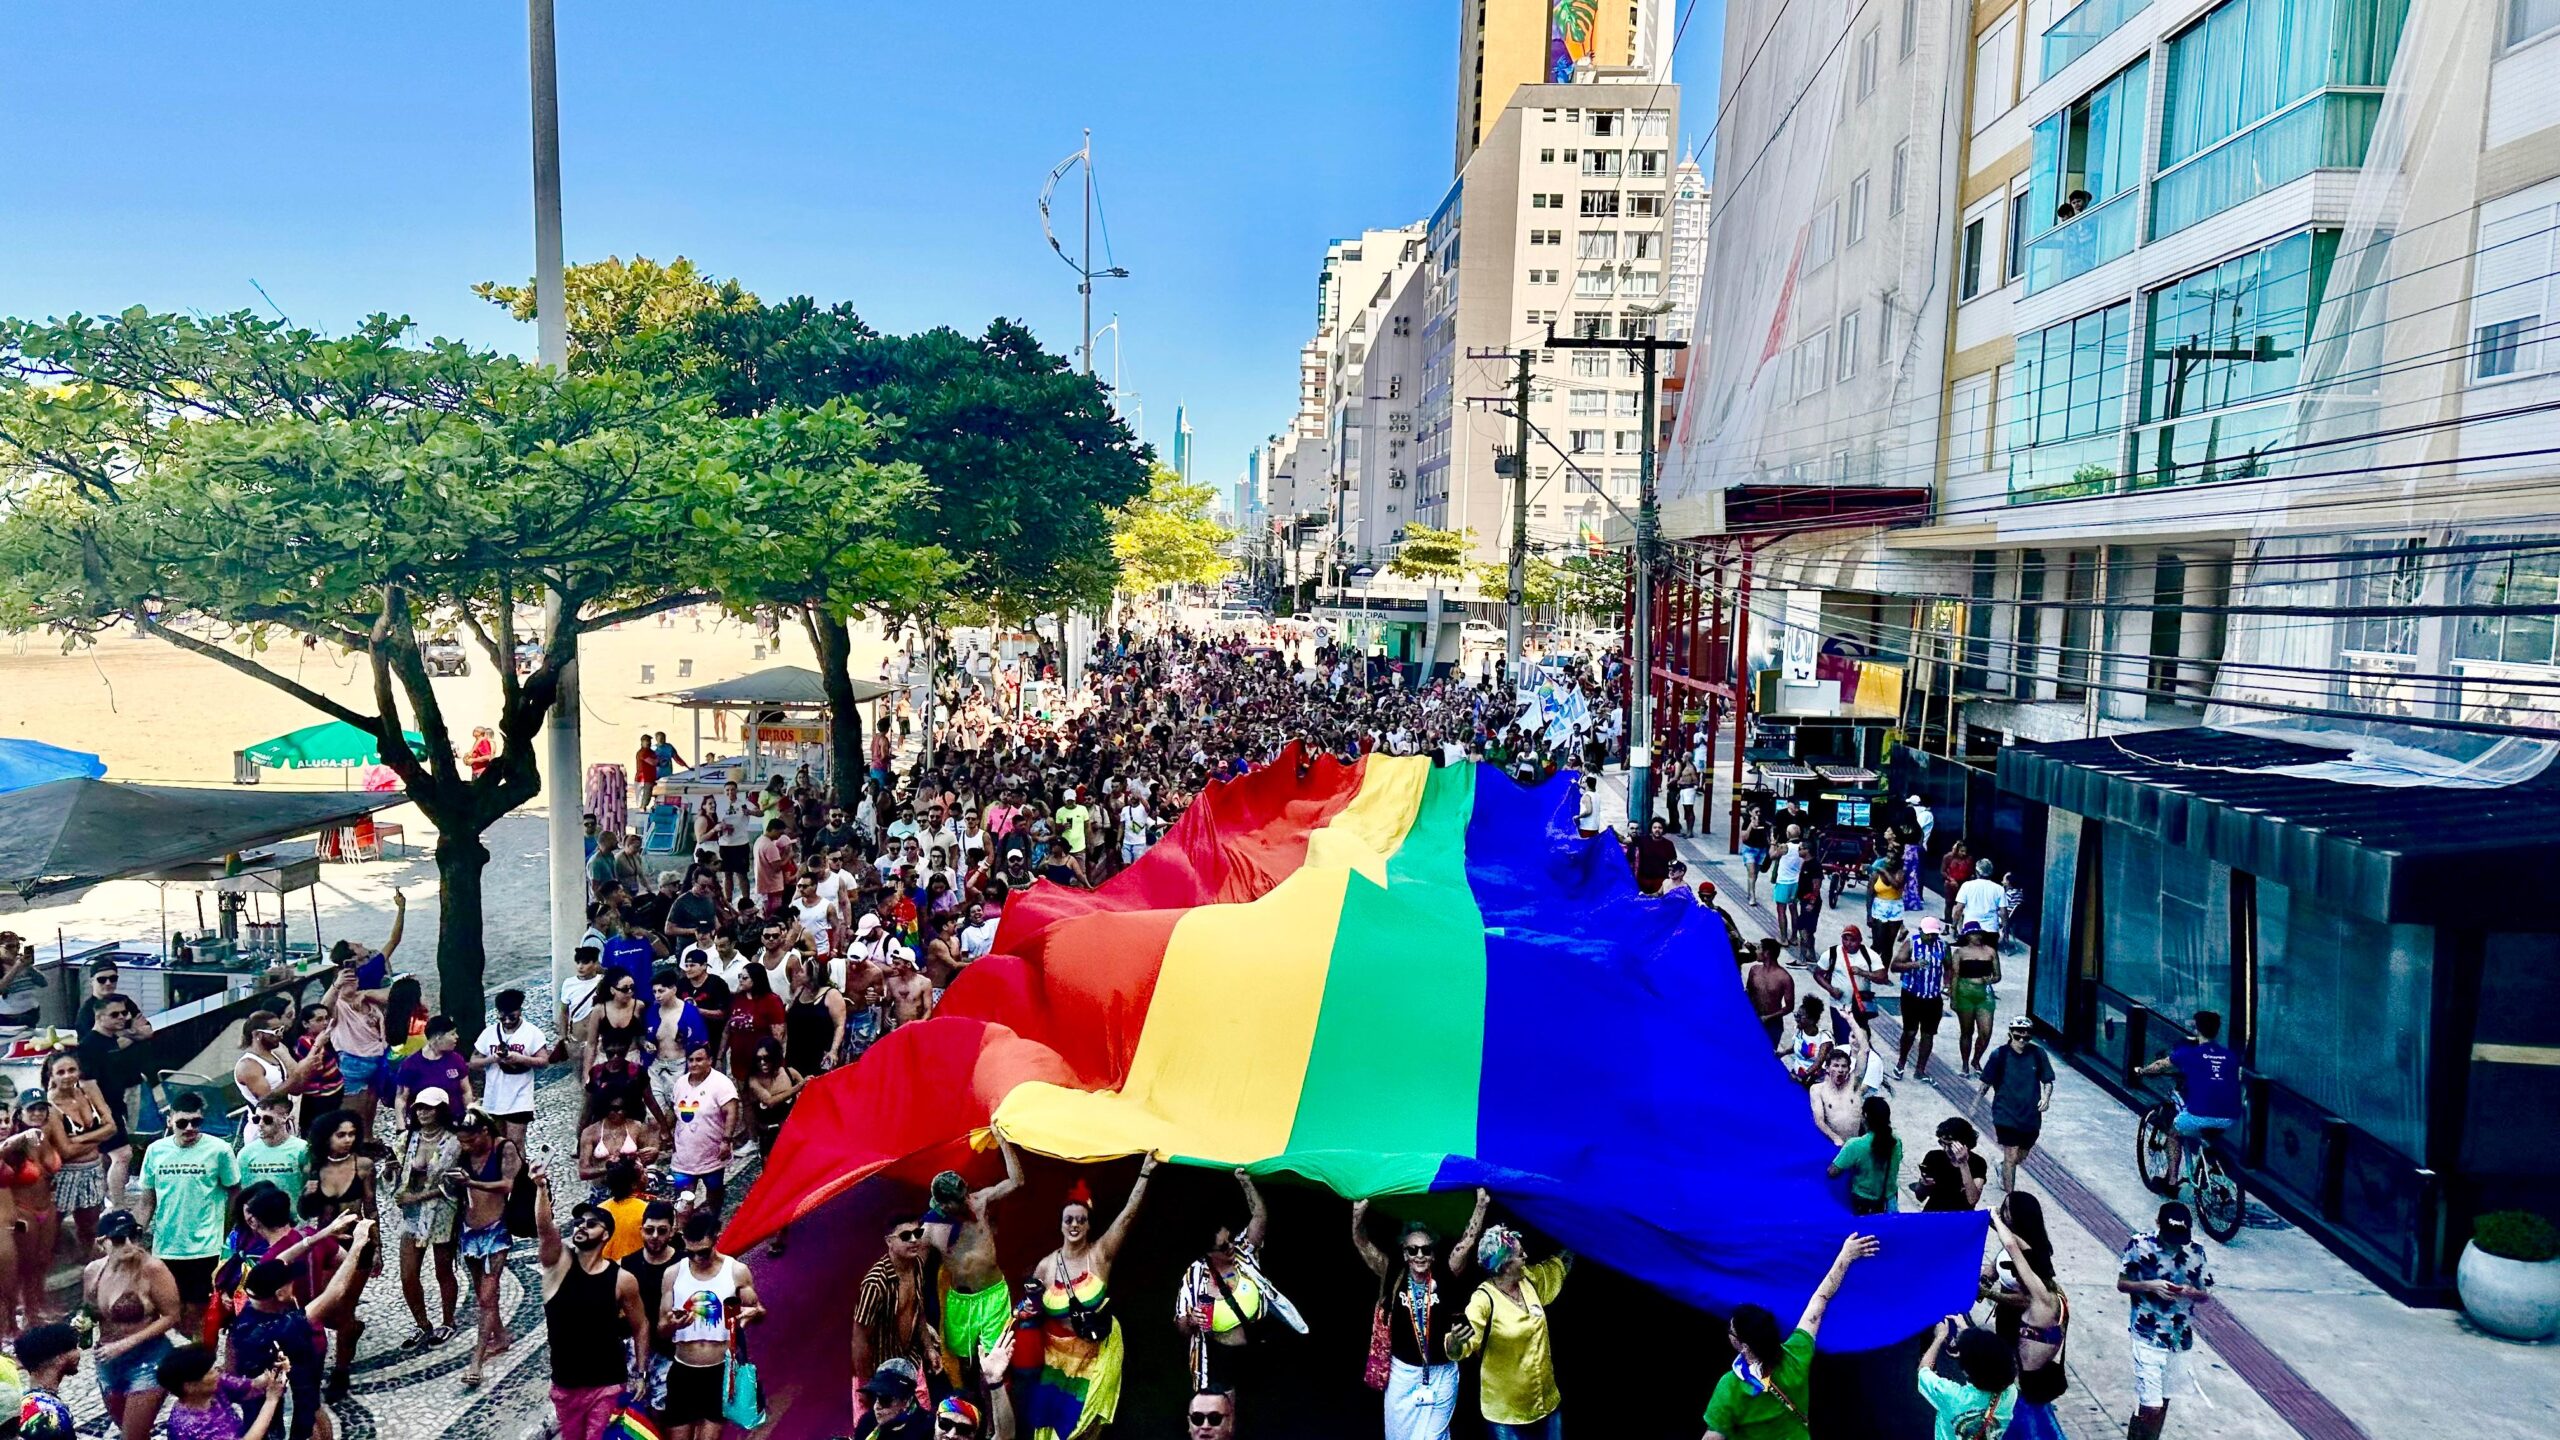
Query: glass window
(1867, 64)
(1858, 209)
(1597, 245)
(1820, 237)
(2504, 348)
(2249, 59)
(1995, 71)
(2089, 151)
(2017, 257)
(2392, 576)
(1901, 173)
(2524, 578)
(2323, 977)
(2166, 928)
(2073, 375)
(1848, 344)
(2234, 333)
(2529, 18)
(1970, 283)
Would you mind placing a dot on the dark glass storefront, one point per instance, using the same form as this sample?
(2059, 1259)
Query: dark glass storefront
(2381, 957)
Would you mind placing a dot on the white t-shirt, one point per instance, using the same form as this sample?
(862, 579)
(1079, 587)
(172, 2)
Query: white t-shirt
(578, 995)
(1978, 900)
(502, 1093)
(976, 940)
(743, 819)
(1134, 822)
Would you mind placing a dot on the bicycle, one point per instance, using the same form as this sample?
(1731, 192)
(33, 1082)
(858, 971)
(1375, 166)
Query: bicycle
(2158, 1150)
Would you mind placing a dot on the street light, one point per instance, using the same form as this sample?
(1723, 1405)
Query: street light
(1085, 273)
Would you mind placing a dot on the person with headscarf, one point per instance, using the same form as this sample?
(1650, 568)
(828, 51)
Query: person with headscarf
(1506, 1321)
(1415, 1317)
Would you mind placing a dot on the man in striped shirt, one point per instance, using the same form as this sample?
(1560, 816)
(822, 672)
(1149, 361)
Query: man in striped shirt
(1920, 962)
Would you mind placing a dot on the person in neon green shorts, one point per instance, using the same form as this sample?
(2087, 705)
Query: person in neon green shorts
(977, 1304)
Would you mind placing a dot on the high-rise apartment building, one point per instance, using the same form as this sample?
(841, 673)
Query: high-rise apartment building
(1692, 198)
(1505, 44)
(1561, 220)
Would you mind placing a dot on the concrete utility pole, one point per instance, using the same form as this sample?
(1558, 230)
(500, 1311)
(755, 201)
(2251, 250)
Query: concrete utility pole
(1648, 545)
(561, 762)
(1519, 597)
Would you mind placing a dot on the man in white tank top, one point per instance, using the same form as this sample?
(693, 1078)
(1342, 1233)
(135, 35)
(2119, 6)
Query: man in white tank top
(706, 1299)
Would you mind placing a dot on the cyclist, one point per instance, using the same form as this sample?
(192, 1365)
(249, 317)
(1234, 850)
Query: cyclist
(2208, 1087)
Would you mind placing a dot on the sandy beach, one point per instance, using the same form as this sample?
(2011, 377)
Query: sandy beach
(157, 715)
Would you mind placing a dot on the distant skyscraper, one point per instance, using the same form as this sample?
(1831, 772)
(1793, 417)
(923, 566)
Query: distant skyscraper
(1690, 199)
(1181, 443)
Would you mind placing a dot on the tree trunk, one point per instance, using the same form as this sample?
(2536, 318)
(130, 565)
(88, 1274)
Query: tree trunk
(462, 953)
(846, 763)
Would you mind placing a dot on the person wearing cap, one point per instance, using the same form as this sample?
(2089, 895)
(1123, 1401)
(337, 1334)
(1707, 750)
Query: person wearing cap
(49, 1355)
(27, 1167)
(2165, 1275)
(430, 1157)
(2017, 1079)
(186, 1186)
(136, 1301)
(1923, 818)
(592, 1315)
(893, 1407)
(21, 986)
(1975, 967)
(1920, 963)
(707, 1298)
(505, 1058)
(490, 1164)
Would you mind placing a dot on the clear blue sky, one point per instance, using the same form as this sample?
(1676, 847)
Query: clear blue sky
(362, 157)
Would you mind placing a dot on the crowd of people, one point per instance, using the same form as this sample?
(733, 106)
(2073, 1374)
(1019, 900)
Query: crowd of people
(224, 1292)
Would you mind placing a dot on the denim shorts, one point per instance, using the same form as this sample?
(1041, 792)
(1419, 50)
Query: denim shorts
(134, 1369)
(366, 1072)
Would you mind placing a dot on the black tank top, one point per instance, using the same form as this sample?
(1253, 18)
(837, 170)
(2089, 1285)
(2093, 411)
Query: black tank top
(586, 1331)
(807, 1029)
(609, 1035)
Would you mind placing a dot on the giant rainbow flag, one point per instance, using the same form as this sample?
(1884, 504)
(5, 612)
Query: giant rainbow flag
(1390, 978)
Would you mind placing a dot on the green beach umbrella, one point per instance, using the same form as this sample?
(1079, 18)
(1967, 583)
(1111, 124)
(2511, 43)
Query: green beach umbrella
(334, 745)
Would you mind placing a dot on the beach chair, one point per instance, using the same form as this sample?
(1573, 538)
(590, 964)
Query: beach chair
(224, 1112)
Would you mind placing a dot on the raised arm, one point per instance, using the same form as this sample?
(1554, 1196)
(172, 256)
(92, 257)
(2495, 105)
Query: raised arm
(1108, 1247)
(546, 1227)
(1852, 1250)
(1462, 1253)
(1368, 1250)
(399, 922)
(1011, 1182)
(2038, 1292)
(349, 1272)
(1258, 1216)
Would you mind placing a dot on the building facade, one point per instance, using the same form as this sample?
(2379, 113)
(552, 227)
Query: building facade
(1560, 222)
(1505, 44)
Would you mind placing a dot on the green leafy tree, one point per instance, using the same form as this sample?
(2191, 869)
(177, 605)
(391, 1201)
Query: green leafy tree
(239, 488)
(1434, 557)
(1540, 581)
(1593, 585)
(614, 307)
(1167, 537)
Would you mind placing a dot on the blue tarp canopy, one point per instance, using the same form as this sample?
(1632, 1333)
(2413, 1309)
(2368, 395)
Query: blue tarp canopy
(33, 762)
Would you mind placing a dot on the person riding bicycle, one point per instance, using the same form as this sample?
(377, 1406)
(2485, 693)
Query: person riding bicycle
(2208, 1085)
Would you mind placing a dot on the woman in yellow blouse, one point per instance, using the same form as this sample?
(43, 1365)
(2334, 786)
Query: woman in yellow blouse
(1507, 1321)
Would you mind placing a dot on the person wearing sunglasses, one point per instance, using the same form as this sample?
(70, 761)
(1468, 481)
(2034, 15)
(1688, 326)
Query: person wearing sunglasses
(186, 1186)
(893, 1312)
(1226, 1305)
(1211, 1415)
(1416, 1315)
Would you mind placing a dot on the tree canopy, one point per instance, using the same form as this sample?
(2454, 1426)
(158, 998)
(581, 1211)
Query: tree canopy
(223, 483)
(1437, 556)
(1167, 537)
(612, 305)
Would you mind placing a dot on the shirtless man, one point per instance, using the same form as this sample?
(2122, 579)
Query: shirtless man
(908, 995)
(977, 1307)
(1772, 989)
(136, 1301)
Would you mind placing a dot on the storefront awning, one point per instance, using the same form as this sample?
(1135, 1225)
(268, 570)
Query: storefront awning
(2473, 859)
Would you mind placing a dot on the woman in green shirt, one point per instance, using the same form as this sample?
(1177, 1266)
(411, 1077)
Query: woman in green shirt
(1872, 1161)
(1766, 1396)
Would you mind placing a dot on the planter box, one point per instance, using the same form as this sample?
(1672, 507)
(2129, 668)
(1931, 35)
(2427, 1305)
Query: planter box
(2516, 1298)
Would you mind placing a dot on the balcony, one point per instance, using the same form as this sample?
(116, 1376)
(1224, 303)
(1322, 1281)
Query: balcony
(2083, 243)
(2066, 469)
(2079, 31)
(2327, 130)
(2197, 449)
